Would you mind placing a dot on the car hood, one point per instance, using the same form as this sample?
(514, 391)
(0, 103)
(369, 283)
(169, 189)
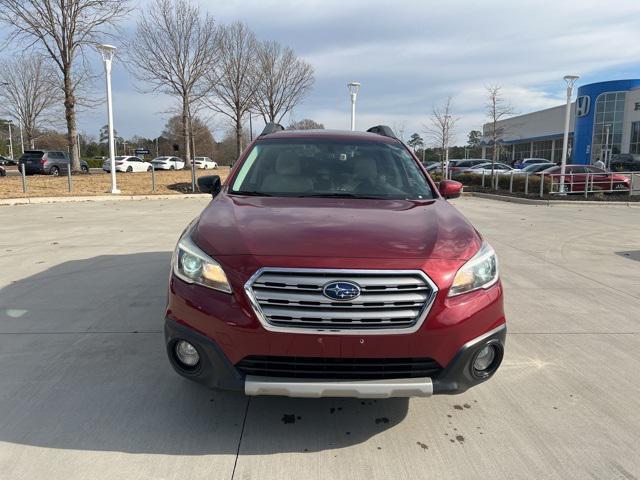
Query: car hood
(323, 227)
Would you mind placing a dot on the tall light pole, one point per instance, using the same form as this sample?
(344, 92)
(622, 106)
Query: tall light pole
(21, 138)
(570, 79)
(605, 152)
(353, 90)
(108, 51)
(9, 122)
(6, 84)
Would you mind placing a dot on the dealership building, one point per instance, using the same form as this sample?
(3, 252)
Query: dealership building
(605, 120)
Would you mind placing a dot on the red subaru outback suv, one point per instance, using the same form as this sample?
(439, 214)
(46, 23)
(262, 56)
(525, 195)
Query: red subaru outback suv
(330, 264)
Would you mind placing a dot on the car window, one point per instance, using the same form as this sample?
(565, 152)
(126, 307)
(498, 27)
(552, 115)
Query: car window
(323, 167)
(591, 169)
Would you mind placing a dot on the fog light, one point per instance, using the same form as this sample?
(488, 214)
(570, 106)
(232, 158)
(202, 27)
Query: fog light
(485, 358)
(187, 354)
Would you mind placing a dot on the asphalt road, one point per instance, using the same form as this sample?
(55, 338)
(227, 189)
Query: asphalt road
(86, 391)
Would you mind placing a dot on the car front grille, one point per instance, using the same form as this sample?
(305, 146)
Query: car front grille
(338, 368)
(293, 300)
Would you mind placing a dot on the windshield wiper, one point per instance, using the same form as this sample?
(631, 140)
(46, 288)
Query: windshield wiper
(250, 193)
(342, 195)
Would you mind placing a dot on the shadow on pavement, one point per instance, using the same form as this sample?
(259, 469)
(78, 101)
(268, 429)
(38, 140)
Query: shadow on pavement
(83, 367)
(631, 255)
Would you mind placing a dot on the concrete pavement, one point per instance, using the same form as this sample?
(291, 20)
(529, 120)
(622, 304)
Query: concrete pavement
(86, 390)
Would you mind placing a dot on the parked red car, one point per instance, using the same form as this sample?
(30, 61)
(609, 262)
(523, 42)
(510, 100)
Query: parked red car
(577, 176)
(330, 264)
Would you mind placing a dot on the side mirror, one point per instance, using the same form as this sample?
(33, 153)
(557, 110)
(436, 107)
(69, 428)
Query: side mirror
(210, 184)
(450, 188)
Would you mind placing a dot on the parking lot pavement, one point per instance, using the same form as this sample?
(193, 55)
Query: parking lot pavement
(86, 390)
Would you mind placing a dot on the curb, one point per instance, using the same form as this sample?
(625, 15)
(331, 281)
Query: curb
(549, 203)
(97, 198)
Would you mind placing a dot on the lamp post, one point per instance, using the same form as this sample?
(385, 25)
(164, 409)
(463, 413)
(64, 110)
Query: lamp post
(570, 79)
(605, 152)
(353, 90)
(21, 138)
(9, 123)
(6, 84)
(108, 52)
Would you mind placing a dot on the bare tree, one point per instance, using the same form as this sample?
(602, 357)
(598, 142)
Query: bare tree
(28, 92)
(497, 110)
(441, 129)
(172, 51)
(64, 29)
(399, 128)
(284, 81)
(233, 80)
(305, 124)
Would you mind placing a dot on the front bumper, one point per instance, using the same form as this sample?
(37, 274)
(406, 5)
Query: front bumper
(217, 371)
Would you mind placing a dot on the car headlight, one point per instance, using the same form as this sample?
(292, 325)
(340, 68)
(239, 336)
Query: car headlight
(194, 266)
(481, 271)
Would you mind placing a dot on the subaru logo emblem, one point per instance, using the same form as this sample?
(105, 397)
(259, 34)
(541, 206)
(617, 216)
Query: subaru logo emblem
(341, 290)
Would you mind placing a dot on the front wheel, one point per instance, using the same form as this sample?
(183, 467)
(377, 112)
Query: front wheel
(84, 169)
(172, 167)
(54, 172)
(149, 169)
(129, 169)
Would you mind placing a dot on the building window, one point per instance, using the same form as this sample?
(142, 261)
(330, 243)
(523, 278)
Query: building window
(557, 151)
(542, 149)
(607, 128)
(522, 151)
(634, 147)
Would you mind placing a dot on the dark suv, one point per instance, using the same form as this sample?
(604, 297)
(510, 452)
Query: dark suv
(625, 162)
(47, 162)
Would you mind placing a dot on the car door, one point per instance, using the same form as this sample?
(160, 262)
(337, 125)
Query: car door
(59, 160)
(577, 178)
(598, 178)
(136, 164)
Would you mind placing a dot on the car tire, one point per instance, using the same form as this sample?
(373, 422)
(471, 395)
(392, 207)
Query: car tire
(129, 169)
(84, 169)
(149, 169)
(172, 167)
(54, 171)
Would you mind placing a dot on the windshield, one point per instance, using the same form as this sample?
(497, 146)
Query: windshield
(536, 167)
(331, 168)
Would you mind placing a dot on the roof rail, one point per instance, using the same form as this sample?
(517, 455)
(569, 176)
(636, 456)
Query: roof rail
(271, 128)
(382, 130)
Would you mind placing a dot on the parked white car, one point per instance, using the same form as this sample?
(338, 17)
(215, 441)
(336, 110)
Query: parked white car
(168, 163)
(205, 163)
(486, 168)
(127, 163)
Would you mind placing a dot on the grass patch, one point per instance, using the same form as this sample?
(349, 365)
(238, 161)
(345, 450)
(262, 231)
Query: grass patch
(167, 182)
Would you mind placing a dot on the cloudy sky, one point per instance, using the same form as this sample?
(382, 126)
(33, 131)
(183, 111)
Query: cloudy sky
(409, 55)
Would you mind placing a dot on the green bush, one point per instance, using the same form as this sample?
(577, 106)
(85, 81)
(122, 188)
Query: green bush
(94, 162)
